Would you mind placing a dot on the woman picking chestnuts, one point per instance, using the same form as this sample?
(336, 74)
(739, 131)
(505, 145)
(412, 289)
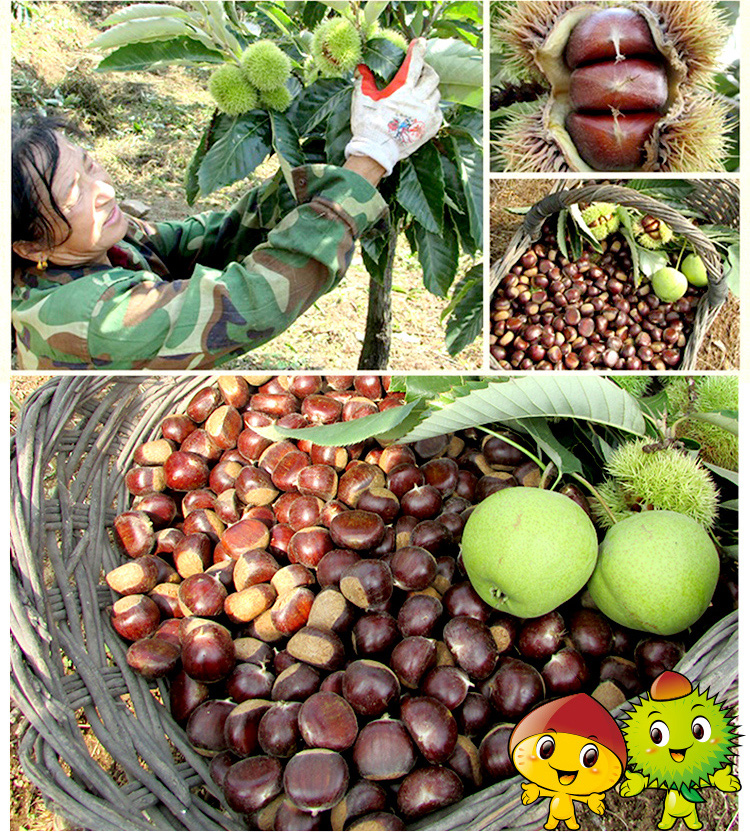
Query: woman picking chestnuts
(96, 289)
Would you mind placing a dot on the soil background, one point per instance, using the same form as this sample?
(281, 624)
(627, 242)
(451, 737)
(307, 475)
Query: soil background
(720, 348)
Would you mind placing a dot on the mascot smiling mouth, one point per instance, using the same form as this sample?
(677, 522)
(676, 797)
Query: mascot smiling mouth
(566, 777)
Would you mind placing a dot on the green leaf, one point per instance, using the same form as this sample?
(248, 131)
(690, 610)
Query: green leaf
(245, 144)
(144, 10)
(730, 505)
(192, 188)
(417, 387)
(565, 460)
(468, 159)
(421, 189)
(651, 261)
(590, 398)
(733, 272)
(469, 96)
(383, 58)
(139, 56)
(583, 227)
(562, 243)
(663, 189)
(627, 232)
(339, 132)
(721, 419)
(438, 256)
(344, 433)
(320, 101)
(150, 29)
(373, 10)
(286, 144)
(456, 62)
(465, 311)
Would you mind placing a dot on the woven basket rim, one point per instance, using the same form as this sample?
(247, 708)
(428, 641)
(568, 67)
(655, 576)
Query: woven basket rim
(46, 621)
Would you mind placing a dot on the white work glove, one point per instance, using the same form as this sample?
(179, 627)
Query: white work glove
(389, 124)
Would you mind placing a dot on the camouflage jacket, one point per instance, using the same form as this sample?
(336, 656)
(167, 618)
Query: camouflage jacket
(196, 293)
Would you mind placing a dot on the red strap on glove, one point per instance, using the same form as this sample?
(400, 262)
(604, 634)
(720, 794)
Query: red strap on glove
(369, 85)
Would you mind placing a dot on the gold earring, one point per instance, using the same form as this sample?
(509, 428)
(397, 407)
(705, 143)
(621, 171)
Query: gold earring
(41, 264)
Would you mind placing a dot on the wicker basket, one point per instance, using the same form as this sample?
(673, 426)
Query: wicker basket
(717, 199)
(74, 443)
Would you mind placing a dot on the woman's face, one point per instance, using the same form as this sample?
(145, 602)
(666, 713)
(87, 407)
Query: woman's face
(84, 193)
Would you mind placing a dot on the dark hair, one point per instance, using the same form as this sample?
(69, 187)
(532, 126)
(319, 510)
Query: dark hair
(34, 160)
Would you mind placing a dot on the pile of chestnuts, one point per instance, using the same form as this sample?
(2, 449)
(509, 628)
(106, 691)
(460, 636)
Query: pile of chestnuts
(551, 313)
(307, 603)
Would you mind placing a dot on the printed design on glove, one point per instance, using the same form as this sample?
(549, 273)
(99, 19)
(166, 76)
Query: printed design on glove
(405, 129)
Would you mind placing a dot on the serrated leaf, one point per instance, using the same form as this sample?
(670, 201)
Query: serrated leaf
(344, 433)
(627, 232)
(719, 418)
(455, 61)
(338, 133)
(733, 272)
(421, 188)
(144, 10)
(651, 261)
(285, 142)
(465, 312)
(151, 29)
(671, 191)
(373, 10)
(562, 243)
(383, 57)
(468, 159)
(725, 473)
(565, 460)
(321, 100)
(582, 225)
(139, 56)
(192, 187)
(438, 256)
(417, 387)
(590, 398)
(245, 144)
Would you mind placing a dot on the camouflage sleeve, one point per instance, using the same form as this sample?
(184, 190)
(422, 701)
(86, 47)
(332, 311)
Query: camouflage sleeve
(216, 238)
(135, 320)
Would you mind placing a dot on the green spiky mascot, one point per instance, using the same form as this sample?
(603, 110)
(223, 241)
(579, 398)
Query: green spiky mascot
(679, 739)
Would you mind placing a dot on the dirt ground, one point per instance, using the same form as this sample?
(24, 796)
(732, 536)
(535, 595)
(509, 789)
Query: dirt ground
(720, 348)
(145, 127)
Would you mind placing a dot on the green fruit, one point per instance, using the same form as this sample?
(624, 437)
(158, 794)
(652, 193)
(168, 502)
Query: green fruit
(601, 218)
(278, 99)
(231, 91)
(666, 479)
(694, 270)
(527, 550)
(669, 284)
(396, 38)
(265, 65)
(336, 47)
(656, 572)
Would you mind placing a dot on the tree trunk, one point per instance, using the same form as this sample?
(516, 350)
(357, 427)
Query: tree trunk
(377, 344)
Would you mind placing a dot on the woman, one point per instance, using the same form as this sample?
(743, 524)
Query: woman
(96, 289)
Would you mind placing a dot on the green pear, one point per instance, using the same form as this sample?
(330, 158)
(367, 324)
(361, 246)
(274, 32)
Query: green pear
(527, 550)
(694, 270)
(657, 571)
(669, 284)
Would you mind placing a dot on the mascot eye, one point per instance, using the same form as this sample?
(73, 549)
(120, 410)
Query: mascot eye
(701, 728)
(545, 747)
(659, 733)
(589, 755)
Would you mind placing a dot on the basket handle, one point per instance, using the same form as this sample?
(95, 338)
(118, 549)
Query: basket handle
(717, 290)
